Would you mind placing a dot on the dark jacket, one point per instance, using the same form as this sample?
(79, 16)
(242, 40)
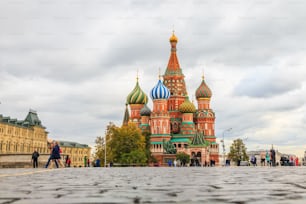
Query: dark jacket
(56, 152)
(35, 155)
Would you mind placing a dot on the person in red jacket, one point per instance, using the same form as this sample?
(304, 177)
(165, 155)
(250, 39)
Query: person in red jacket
(296, 161)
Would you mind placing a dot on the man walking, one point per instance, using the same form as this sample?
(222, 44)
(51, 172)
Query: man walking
(35, 156)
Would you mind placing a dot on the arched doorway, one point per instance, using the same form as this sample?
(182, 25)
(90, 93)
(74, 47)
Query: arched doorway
(195, 159)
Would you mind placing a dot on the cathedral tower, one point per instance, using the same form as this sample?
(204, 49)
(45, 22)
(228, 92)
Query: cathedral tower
(160, 118)
(136, 99)
(174, 81)
(187, 109)
(205, 116)
(145, 113)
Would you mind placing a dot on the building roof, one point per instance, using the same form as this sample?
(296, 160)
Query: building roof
(160, 91)
(203, 91)
(180, 140)
(137, 96)
(187, 106)
(198, 139)
(145, 111)
(30, 120)
(174, 77)
(126, 116)
(72, 144)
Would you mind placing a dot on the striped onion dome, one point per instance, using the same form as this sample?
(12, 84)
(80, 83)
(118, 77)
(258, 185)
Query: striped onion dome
(187, 106)
(203, 91)
(160, 91)
(145, 111)
(137, 96)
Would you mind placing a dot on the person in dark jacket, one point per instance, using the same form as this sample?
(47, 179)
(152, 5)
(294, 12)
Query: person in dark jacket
(51, 147)
(35, 156)
(55, 155)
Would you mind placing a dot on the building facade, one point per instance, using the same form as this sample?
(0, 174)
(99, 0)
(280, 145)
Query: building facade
(76, 152)
(22, 136)
(174, 120)
(19, 139)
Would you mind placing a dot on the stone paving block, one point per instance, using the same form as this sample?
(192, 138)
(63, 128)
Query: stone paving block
(154, 185)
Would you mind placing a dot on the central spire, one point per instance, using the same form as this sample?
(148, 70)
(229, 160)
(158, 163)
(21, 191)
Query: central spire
(173, 64)
(174, 78)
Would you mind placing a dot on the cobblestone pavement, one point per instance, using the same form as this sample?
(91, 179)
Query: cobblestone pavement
(154, 185)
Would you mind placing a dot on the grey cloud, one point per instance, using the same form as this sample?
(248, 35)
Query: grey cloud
(267, 83)
(75, 61)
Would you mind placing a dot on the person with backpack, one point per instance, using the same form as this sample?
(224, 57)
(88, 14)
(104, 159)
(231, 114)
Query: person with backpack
(35, 156)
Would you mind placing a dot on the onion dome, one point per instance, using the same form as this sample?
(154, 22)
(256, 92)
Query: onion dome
(160, 91)
(187, 106)
(203, 91)
(145, 111)
(137, 96)
(173, 38)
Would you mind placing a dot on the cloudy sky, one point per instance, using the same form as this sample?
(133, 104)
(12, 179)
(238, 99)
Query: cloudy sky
(75, 61)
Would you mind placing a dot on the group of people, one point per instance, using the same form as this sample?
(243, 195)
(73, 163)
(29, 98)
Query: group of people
(268, 158)
(55, 157)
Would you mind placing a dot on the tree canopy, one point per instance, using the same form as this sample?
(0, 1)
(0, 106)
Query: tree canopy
(238, 151)
(124, 145)
(183, 157)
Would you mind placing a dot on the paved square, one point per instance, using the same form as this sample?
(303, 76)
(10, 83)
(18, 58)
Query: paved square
(154, 185)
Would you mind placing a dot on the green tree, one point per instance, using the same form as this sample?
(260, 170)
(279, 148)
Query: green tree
(125, 140)
(183, 157)
(100, 145)
(136, 157)
(149, 155)
(238, 151)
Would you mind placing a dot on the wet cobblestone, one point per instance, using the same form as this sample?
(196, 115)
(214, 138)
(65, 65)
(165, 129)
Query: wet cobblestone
(154, 185)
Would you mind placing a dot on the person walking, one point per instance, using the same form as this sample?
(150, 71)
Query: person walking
(35, 156)
(174, 162)
(88, 162)
(59, 159)
(253, 160)
(296, 161)
(67, 161)
(85, 161)
(50, 157)
(273, 160)
(268, 158)
(56, 154)
(263, 158)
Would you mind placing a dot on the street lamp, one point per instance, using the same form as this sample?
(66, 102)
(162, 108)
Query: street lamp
(223, 145)
(105, 151)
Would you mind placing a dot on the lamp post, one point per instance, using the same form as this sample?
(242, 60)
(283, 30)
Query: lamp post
(223, 145)
(105, 151)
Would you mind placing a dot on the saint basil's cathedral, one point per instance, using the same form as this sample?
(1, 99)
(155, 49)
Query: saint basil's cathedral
(174, 121)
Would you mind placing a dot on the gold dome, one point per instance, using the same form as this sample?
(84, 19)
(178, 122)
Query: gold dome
(187, 106)
(173, 38)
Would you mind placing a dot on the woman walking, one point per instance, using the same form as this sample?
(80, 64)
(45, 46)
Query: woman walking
(268, 158)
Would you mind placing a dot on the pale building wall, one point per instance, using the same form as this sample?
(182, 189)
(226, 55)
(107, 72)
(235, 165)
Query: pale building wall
(19, 139)
(76, 154)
